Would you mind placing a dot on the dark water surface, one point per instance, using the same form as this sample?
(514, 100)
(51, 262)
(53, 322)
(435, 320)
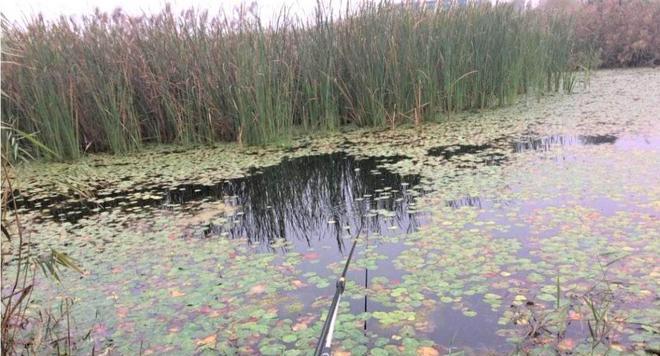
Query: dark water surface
(547, 143)
(302, 200)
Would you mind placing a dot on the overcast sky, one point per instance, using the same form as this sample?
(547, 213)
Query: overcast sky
(19, 10)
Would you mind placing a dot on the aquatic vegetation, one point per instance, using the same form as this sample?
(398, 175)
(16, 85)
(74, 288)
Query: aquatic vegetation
(26, 327)
(116, 83)
(550, 250)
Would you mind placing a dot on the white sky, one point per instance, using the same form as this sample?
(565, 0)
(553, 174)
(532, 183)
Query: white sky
(21, 10)
(16, 10)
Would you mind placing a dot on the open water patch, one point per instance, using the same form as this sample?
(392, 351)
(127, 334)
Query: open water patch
(300, 199)
(547, 143)
(485, 154)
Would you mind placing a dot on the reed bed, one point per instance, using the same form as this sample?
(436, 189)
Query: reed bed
(112, 82)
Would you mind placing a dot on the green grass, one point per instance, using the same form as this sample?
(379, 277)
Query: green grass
(114, 82)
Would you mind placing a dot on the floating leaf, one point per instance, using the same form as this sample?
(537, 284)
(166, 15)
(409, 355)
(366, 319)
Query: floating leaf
(208, 341)
(257, 289)
(177, 293)
(427, 351)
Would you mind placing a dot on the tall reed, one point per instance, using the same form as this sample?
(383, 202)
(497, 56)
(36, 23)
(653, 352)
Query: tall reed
(113, 82)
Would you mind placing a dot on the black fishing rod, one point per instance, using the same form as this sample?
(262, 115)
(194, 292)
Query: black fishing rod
(324, 345)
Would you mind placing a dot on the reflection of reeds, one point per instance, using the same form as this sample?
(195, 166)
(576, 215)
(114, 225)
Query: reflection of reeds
(115, 82)
(296, 200)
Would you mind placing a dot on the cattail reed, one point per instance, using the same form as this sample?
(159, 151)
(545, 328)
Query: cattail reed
(113, 82)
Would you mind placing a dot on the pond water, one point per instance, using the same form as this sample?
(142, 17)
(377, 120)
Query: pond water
(302, 201)
(497, 235)
(546, 143)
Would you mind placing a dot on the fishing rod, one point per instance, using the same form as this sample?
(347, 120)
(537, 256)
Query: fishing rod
(324, 345)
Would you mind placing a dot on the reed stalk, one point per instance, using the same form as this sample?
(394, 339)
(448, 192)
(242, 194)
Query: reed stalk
(114, 82)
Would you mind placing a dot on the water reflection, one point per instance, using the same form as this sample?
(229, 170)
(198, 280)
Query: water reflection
(546, 143)
(302, 200)
(447, 152)
(481, 154)
(314, 198)
(469, 201)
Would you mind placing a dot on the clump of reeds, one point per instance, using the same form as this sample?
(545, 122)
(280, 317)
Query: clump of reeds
(113, 82)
